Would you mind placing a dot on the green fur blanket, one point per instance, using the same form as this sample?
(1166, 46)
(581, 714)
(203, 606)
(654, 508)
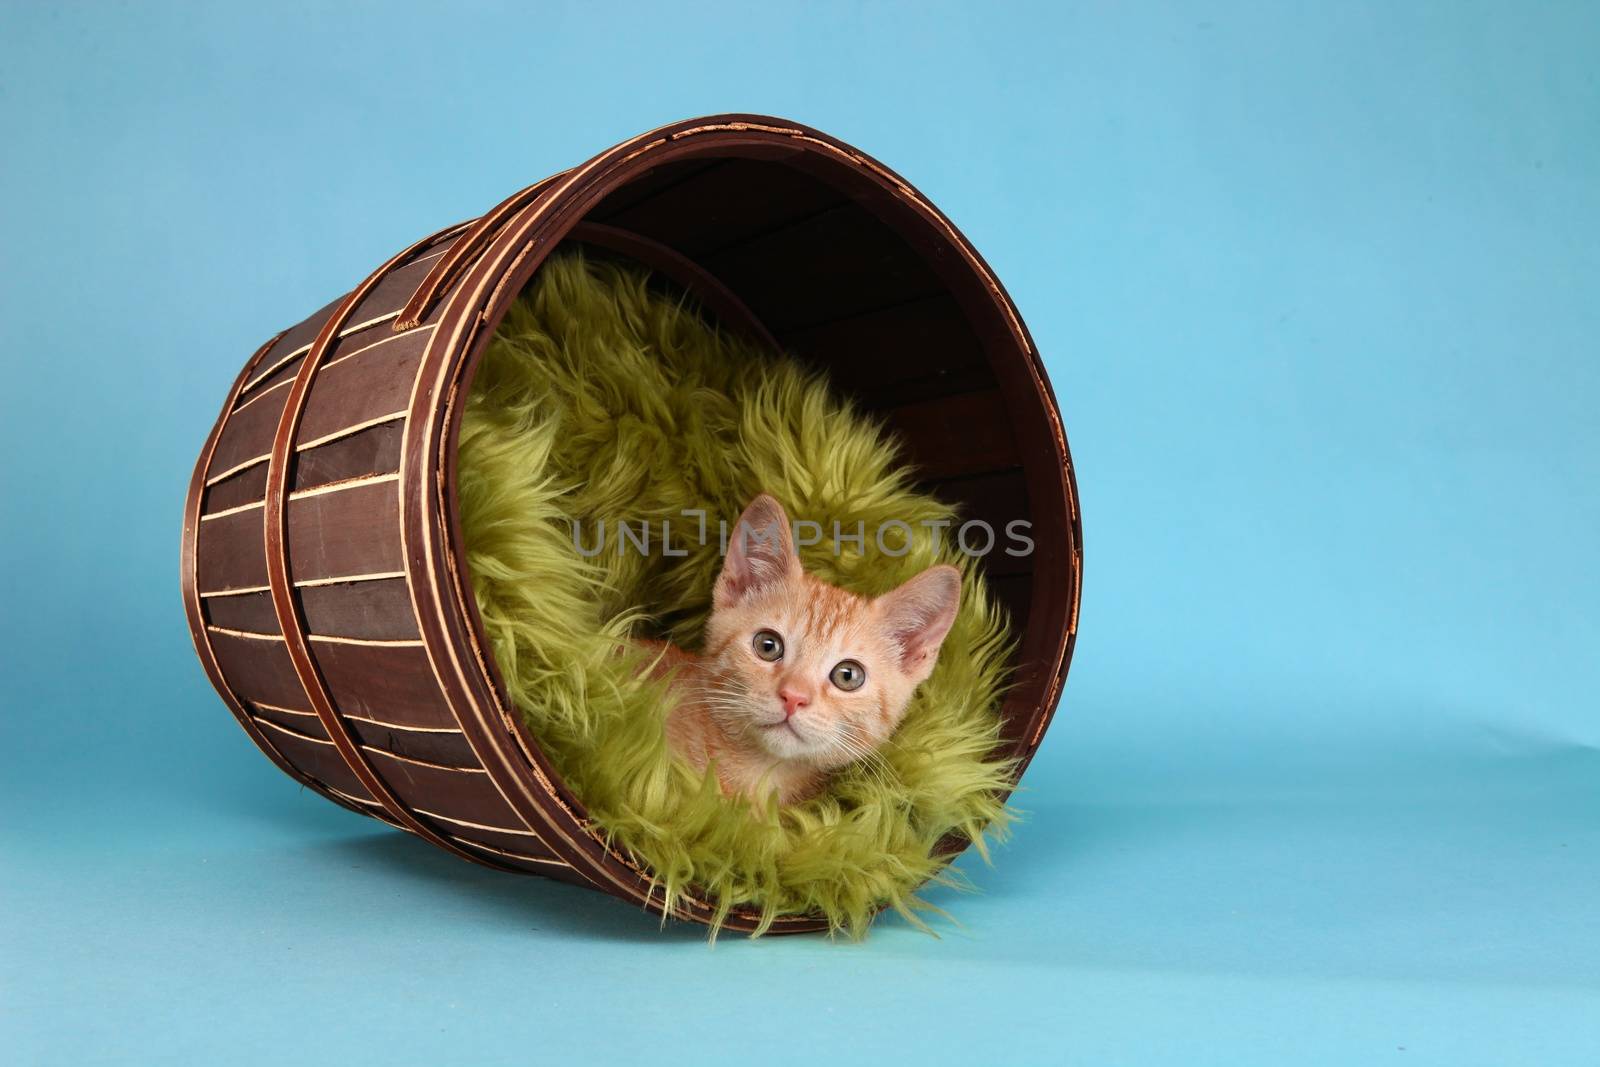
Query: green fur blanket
(600, 400)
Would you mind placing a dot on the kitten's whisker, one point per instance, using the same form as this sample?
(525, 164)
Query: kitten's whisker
(864, 756)
(855, 744)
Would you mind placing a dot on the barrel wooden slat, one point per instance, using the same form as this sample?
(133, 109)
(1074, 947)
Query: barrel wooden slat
(231, 552)
(316, 756)
(453, 792)
(259, 671)
(367, 452)
(357, 656)
(247, 436)
(342, 531)
(301, 720)
(373, 381)
(990, 497)
(280, 375)
(245, 487)
(800, 276)
(376, 610)
(742, 194)
(391, 683)
(506, 844)
(440, 745)
(652, 182)
(520, 860)
(289, 347)
(932, 327)
(352, 342)
(392, 291)
(967, 433)
(250, 612)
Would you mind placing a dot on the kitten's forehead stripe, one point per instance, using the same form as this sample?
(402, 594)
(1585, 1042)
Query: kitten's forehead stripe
(826, 609)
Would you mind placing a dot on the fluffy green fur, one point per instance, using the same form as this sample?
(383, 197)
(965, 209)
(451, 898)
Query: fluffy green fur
(601, 399)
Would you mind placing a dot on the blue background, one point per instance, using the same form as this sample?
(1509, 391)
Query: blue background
(1319, 289)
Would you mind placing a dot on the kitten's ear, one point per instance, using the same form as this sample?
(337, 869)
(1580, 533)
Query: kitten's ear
(919, 614)
(760, 553)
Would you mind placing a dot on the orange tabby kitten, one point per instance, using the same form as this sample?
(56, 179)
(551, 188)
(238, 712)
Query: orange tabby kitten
(798, 677)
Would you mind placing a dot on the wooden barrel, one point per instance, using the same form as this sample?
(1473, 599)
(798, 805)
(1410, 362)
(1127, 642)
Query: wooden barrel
(322, 572)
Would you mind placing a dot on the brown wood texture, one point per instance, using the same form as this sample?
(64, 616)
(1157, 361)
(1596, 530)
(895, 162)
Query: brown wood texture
(322, 571)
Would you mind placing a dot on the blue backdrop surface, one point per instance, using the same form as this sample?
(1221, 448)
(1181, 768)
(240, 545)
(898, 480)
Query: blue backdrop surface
(1319, 290)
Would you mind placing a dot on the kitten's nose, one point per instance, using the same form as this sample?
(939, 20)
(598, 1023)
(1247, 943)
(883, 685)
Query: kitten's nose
(793, 700)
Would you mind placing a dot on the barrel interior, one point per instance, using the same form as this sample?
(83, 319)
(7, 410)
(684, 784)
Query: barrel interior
(847, 279)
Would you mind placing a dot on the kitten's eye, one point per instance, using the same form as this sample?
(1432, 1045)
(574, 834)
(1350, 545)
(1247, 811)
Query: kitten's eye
(768, 645)
(848, 675)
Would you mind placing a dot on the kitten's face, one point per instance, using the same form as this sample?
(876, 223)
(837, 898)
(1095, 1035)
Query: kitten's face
(805, 671)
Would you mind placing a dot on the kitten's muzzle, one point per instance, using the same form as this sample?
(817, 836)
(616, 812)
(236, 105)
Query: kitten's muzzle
(793, 700)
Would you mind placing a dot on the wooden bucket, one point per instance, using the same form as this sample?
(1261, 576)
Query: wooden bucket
(327, 597)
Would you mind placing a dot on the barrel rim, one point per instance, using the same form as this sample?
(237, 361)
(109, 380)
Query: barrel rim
(430, 522)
